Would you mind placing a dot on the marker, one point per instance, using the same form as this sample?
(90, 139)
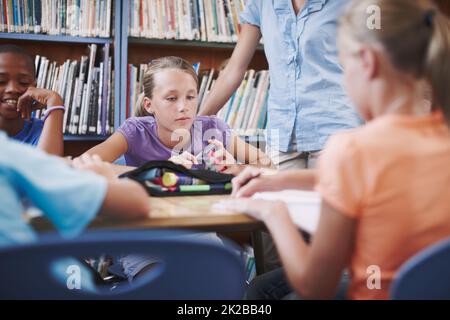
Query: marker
(205, 187)
(150, 174)
(156, 186)
(171, 179)
(206, 151)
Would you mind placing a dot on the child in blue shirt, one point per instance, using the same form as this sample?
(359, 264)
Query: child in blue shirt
(19, 98)
(70, 197)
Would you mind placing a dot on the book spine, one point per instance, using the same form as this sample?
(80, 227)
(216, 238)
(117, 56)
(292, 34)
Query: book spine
(196, 20)
(108, 18)
(97, 19)
(20, 22)
(215, 20)
(83, 123)
(10, 14)
(127, 111)
(31, 16)
(109, 127)
(141, 18)
(105, 87)
(144, 14)
(69, 95)
(2, 13)
(173, 21)
(15, 16)
(100, 99)
(26, 16)
(79, 94)
(91, 119)
(151, 18)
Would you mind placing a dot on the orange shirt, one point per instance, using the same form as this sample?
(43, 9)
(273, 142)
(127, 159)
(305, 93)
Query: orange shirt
(393, 177)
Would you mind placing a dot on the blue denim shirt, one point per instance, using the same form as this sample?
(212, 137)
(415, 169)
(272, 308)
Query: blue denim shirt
(306, 98)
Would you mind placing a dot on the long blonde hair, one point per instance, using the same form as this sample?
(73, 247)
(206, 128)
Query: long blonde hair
(154, 67)
(414, 34)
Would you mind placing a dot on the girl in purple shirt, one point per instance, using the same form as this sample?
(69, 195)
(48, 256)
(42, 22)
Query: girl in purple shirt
(165, 126)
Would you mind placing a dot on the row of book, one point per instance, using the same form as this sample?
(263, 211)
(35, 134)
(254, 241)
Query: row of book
(204, 20)
(87, 89)
(84, 18)
(245, 111)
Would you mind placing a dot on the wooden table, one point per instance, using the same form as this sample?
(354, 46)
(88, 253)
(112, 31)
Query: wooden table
(187, 212)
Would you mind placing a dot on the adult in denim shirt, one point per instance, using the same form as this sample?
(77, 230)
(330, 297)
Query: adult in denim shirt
(307, 102)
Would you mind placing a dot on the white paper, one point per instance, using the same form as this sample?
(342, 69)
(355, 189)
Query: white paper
(304, 206)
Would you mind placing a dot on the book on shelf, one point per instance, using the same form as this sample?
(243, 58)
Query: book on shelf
(85, 18)
(245, 111)
(86, 104)
(202, 20)
(103, 97)
(85, 87)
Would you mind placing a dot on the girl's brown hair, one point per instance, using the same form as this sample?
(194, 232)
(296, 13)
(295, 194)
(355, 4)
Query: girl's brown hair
(154, 67)
(414, 34)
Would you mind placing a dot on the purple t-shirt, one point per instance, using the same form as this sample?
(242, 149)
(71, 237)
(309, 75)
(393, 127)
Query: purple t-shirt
(144, 144)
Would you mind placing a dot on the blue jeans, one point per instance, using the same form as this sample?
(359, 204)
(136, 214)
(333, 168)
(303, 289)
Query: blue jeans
(134, 264)
(273, 285)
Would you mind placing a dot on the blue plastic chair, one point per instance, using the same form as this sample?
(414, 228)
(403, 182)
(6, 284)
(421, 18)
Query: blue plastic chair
(425, 276)
(189, 268)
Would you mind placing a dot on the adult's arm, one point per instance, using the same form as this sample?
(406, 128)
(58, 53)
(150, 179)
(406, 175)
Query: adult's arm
(231, 77)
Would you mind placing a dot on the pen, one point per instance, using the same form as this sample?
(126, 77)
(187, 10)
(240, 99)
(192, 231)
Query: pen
(155, 186)
(208, 149)
(204, 187)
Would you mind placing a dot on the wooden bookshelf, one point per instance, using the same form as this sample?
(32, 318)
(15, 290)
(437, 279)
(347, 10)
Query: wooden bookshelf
(125, 50)
(209, 55)
(59, 49)
(136, 50)
(185, 43)
(54, 38)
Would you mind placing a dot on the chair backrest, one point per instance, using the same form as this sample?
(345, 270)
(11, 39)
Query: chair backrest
(189, 268)
(425, 275)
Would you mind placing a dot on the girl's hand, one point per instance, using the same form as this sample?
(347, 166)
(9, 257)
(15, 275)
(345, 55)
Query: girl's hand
(221, 159)
(35, 99)
(259, 209)
(185, 159)
(252, 180)
(95, 164)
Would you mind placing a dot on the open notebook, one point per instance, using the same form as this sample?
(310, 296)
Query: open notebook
(304, 206)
